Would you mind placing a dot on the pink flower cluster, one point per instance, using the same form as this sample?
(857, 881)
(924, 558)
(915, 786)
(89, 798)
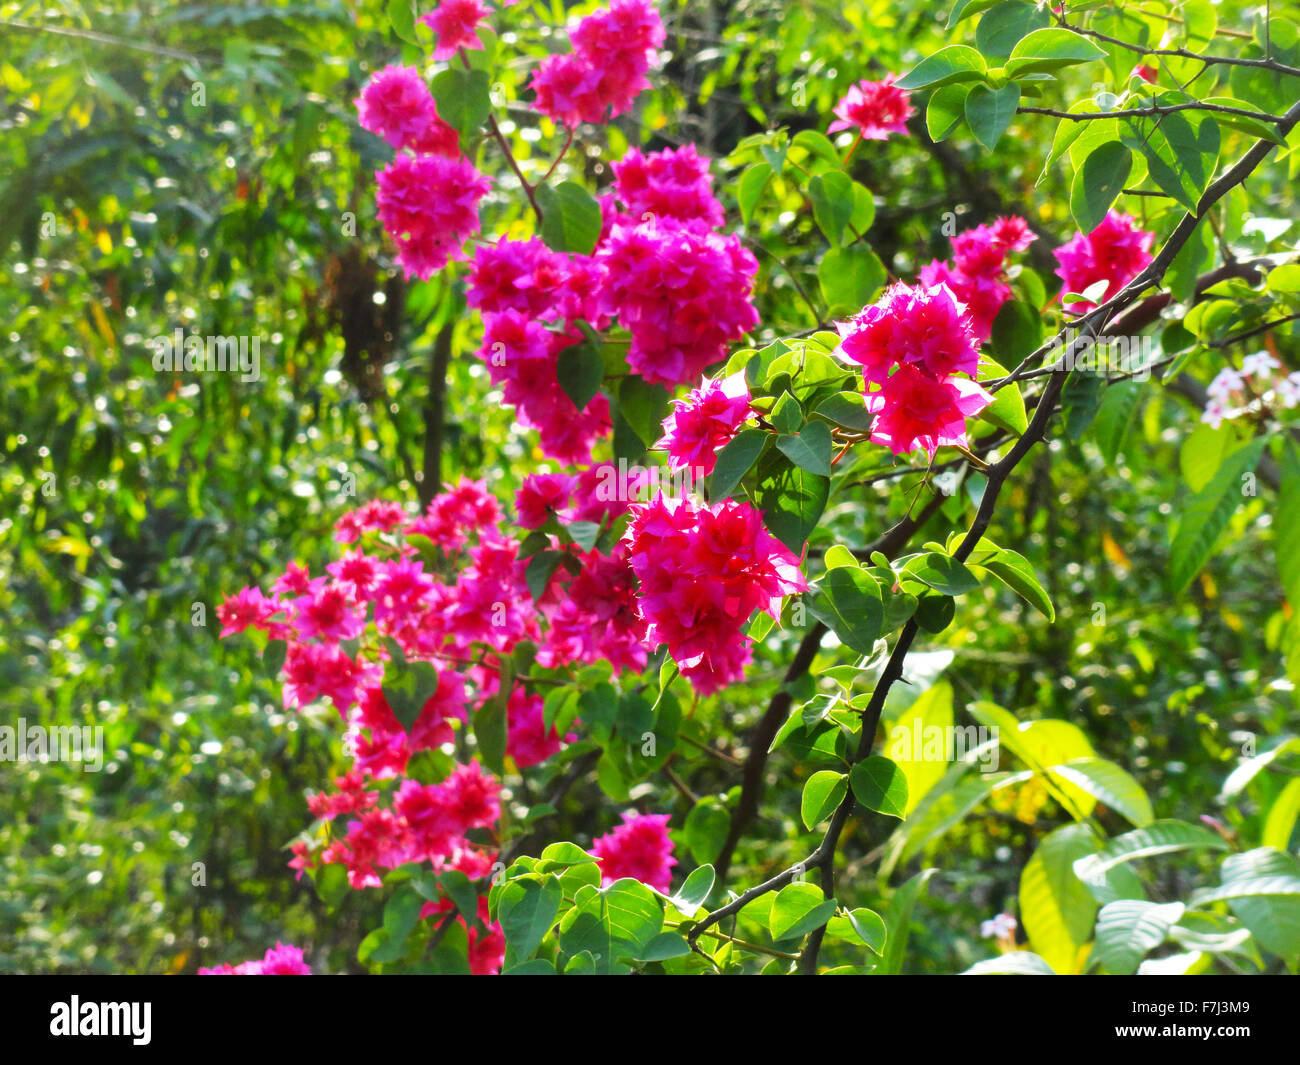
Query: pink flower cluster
(335, 626)
(639, 848)
(396, 104)
(280, 960)
(454, 24)
(521, 287)
(681, 289)
(1254, 389)
(600, 78)
(875, 108)
(704, 422)
(427, 199)
(704, 571)
(429, 206)
(911, 344)
(977, 273)
(1115, 252)
(591, 615)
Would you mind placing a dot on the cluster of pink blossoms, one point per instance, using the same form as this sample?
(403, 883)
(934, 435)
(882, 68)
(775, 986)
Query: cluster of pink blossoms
(280, 960)
(704, 571)
(600, 78)
(875, 108)
(396, 104)
(591, 615)
(680, 288)
(977, 273)
(704, 421)
(455, 26)
(639, 848)
(428, 195)
(912, 343)
(1115, 252)
(521, 288)
(335, 625)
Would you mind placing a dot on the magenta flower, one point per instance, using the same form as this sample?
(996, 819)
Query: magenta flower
(914, 410)
(429, 206)
(454, 24)
(704, 422)
(1115, 252)
(639, 848)
(876, 108)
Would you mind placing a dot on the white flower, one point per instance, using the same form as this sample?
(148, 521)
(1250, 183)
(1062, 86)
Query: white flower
(1261, 364)
(1226, 382)
(1214, 414)
(1288, 390)
(1000, 927)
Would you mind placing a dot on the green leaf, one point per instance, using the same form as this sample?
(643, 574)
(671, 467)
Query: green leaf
(570, 217)
(1127, 929)
(822, 793)
(408, 685)
(848, 409)
(1255, 127)
(1048, 50)
(1286, 545)
(541, 567)
(942, 573)
(1056, 908)
(664, 946)
(706, 829)
(1097, 183)
(644, 406)
(690, 897)
(1156, 838)
(1181, 152)
(1109, 784)
(1281, 819)
(526, 910)
(850, 277)
(880, 785)
(463, 97)
(791, 500)
(1262, 888)
(1003, 26)
(849, 602)
(734, 461)
(945, 111)
(832, 199)
(490, 720)
(1202, 453)
(797, 910)
(401, 14)
(989, 112)
(635, 913)
(752, 183)
(1014, 570)
(818, 144)
(810, 450)
(955, 63)
(580, 371)
(1119, 403)
(1007, 411)
(1207, 514)
(898, 920)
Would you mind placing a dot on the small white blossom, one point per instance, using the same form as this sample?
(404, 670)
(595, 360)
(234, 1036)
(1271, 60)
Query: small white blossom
(1261, 364)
